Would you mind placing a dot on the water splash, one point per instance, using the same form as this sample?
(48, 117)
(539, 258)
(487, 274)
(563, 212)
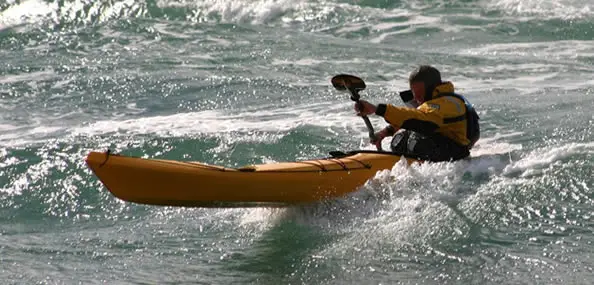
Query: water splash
(540, 159)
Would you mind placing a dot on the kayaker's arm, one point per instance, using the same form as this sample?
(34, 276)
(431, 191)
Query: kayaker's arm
(424, 119)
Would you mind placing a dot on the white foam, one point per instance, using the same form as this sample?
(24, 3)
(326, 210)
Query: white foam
(216, 121)
(256, 12)
(484, 149)
(24, 135)
(163, 29)
(99, 11)
(301, 62)
(499, 136)
(558, 65)
(5, 162)
(70, 9)
(543, 158)
(116, 9)
(412, 24)
(493, 145)
(22, 181)
(28, 11)
(275, 122)
(392, 208)
(563, 9)
(37, 11)
(566, 49)
(6, 127)
(28, 77)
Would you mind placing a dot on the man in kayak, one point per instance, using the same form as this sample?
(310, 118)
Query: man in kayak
(443, 127)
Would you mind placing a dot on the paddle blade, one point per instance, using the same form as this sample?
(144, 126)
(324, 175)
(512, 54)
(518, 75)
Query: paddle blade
(409, 99)
(406, 96)
(348, 82)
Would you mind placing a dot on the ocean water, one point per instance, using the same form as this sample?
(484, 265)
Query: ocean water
(239, 82)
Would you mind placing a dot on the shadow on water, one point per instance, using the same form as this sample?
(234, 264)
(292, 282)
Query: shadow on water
(285, 251)
(479, 232)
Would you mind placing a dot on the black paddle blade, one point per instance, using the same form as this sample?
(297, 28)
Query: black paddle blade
(406, 96)
(348, 82)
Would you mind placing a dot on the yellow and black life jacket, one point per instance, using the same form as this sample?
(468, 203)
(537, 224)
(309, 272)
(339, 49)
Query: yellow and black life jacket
(447, 113)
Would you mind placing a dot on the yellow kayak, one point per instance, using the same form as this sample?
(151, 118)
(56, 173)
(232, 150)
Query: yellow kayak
(195, 184)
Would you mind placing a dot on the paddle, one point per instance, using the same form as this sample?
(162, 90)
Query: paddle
(409, 99)
(354, 84)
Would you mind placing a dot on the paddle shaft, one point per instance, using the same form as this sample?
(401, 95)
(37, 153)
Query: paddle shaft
(372, 136)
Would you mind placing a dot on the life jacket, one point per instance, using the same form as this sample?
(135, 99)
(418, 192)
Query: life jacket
(457, 121)
(473, 130)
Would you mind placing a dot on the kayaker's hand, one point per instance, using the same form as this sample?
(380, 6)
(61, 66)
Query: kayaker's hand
(379, 137)
(364, 108)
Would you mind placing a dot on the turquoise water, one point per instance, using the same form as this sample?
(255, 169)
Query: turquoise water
(234, 83)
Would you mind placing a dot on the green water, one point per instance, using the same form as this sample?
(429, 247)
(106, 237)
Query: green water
(235, 83)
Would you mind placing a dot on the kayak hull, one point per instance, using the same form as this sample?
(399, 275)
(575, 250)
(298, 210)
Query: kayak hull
(195, 184)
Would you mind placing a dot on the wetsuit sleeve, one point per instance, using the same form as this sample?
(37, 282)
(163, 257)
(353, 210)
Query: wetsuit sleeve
(424, 119)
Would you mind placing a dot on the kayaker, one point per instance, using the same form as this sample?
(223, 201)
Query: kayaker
(443, 127)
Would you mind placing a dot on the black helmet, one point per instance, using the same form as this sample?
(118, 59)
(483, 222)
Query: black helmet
(430, 77)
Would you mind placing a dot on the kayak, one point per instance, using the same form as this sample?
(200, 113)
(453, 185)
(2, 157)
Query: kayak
(195, 184)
